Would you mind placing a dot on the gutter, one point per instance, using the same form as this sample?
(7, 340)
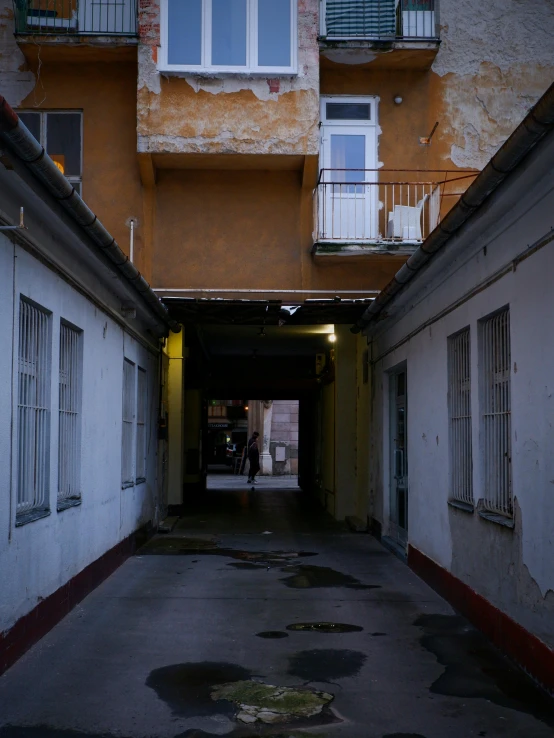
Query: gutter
(537, 123)
(23, 144)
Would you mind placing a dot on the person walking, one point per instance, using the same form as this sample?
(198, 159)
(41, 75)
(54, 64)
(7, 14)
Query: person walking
(253, 458)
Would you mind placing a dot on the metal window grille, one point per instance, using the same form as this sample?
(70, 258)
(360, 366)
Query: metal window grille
(496, 413)
(128, 423)
(33, 409)
(141, 425)
(69, 445)
(461, 462)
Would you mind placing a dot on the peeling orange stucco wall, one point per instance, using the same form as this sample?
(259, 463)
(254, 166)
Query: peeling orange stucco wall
(105, 93)
(228, 113)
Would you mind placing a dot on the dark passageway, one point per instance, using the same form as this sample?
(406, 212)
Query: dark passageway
(258, 614)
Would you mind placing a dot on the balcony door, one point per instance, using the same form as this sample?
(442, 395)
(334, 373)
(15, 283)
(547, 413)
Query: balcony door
(348, 192)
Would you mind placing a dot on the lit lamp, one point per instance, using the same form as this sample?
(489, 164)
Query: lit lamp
(59, 161)
(332, 337)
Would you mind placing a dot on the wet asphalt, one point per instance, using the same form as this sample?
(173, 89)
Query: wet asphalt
(262, 585)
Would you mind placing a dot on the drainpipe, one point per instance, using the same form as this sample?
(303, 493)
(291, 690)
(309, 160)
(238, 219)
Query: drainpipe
(21, 142)
(538, 122)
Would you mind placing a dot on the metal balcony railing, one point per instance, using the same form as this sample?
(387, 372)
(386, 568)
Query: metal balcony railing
(380, 206)
(92, 17)
(380, 20)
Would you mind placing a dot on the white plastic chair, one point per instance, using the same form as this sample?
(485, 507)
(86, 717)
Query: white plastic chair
(405, 221)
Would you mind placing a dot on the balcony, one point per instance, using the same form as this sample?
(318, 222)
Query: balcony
(368, 211)
(74, 18)
(407, 27)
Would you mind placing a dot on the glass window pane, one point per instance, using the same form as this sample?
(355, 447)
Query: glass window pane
(32, 121)
(348, 111)
(229, 33)
(274, 33)
(348, 152)
(63, 141)
(184, 34)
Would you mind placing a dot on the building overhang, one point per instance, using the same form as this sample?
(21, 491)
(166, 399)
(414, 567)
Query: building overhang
(417, 55)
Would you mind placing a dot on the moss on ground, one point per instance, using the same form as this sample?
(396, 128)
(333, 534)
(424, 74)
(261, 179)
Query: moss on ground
(270, 704)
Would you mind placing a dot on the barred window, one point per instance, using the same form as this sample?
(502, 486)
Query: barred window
(69, 441)
(496, 413)
(33, 429)
(142, 403)
(459, 406)
(127, 445)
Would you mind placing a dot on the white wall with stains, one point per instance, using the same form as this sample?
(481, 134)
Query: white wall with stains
(40, 556)
(512, 568)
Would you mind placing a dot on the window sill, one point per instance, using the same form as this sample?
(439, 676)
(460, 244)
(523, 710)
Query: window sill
(126, 485)
(226, 73)
(66, 504)
(30, 517)
(497, 518)
(465, 506)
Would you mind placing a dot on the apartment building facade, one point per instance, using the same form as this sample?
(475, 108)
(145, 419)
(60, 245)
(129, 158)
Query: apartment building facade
(271, 151)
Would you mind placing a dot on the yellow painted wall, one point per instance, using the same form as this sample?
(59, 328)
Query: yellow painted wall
(106, 94)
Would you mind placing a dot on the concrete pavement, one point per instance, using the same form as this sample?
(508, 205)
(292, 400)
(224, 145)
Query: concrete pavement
(236, 595)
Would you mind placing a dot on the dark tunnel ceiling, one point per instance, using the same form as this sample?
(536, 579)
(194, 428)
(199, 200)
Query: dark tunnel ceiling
(264, 312)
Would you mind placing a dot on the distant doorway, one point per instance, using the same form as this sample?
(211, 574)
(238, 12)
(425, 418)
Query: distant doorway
(225, 435)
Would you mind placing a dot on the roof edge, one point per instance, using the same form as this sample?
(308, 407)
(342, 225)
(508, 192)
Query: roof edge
(23, 144)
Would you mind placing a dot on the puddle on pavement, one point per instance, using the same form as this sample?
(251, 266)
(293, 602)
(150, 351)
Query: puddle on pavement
(272, 634)
(183, 546)
(247, 733)
(186, 688)
(325, 665)
(474, 668)
(375, 635)
(325, 627)
(304, 576)
(209, 689)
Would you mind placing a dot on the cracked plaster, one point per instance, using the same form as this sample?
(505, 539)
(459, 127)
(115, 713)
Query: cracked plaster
(493, 70)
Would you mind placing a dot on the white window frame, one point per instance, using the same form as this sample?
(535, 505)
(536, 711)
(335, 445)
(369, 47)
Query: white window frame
(69, 433)
(460, 419)
(251, 67)
(43, 136)
(142, 425)
(33, 413)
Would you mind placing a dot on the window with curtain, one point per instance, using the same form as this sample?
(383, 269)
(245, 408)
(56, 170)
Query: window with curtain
(366, 18)
(229, 35)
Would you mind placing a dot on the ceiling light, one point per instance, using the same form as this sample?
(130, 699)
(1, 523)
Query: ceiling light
(332, 337)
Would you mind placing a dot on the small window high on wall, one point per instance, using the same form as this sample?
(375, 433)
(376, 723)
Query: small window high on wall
(60, 132)
(243, 36)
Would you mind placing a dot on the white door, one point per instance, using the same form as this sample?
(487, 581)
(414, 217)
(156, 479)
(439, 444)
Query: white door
(348, 196)
(107, 16)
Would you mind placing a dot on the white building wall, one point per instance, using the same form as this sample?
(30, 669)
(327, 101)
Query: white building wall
(511, 568)
(41, 556)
